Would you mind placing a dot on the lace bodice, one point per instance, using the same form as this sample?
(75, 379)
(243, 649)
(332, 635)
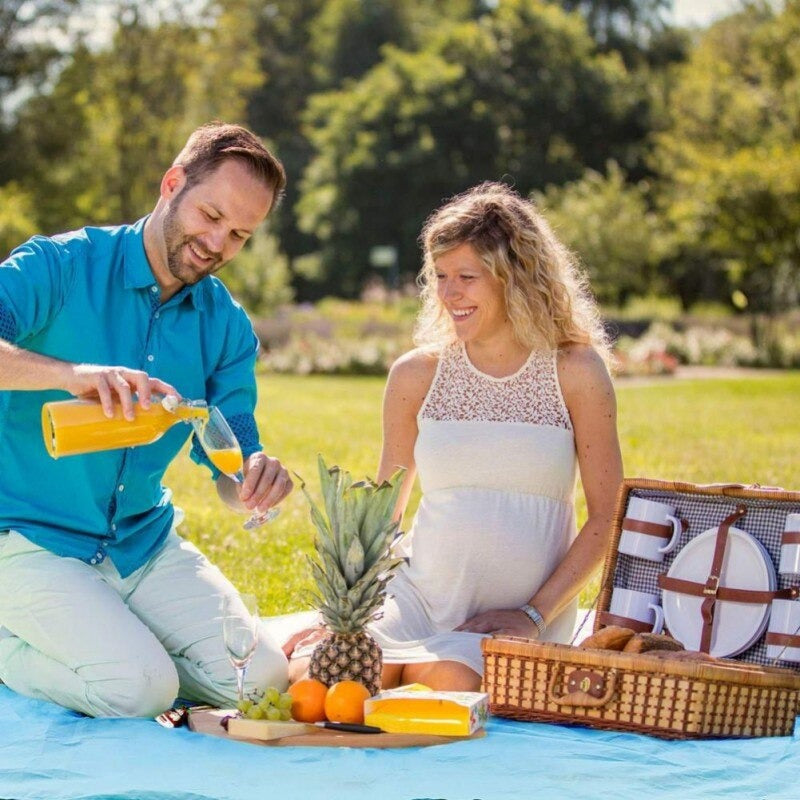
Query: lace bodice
(461, 392)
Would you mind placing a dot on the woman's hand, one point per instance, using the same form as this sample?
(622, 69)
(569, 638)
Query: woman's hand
(303, 638)
(504, 621)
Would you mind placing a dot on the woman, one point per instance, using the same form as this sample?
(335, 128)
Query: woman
(507, 389)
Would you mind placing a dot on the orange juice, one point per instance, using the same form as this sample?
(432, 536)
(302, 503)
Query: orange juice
(71, 427)
(409, 710)
(228, 461)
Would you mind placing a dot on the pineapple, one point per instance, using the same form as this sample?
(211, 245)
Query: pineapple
(351, 570)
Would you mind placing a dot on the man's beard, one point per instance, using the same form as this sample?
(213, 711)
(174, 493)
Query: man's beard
(174, 241)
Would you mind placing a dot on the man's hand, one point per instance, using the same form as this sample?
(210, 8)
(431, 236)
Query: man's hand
(507, 621)
(109, 384)
(266, 483)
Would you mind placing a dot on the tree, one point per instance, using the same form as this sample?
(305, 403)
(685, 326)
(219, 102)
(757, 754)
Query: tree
(96, 144)
(519, 93)
(730, 156)
(24, 62)
(310, 45)
(621, 24)
(16, 218)
(610, 225)
(259, 276)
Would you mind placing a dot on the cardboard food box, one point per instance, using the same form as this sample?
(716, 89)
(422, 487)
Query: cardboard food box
(410, 709)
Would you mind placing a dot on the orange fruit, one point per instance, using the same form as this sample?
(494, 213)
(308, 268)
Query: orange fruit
(308, 697)
(344, 702)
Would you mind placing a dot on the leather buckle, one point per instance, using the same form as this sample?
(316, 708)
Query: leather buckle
(712, 586)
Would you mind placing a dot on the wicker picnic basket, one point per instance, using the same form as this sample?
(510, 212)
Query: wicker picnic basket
(666, 697)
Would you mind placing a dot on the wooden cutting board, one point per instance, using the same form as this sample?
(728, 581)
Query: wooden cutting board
(207, 720)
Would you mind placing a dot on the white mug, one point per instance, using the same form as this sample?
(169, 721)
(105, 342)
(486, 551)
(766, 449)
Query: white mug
(637, 606)
(790, 546)
(784, 618)
(649, 530)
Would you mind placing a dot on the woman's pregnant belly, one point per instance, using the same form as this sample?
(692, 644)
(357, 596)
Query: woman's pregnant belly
(472, 550)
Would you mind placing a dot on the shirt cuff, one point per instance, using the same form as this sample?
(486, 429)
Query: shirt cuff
(8, 325)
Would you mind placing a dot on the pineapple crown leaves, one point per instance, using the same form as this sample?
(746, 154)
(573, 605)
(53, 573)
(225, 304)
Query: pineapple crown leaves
(354, 535)
(356, 530)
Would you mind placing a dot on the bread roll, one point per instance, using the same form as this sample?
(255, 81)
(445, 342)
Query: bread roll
(644, 642)
(614, 637)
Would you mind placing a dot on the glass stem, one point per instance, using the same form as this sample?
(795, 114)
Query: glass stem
(240, 671)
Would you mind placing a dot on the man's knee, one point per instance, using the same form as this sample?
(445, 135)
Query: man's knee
(270, 667)
(136, 690)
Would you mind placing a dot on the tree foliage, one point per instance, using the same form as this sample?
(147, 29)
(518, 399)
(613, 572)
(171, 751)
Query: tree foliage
(380, 109)
(610, 225)
(520, 93)
(730, 157)
(17, 221)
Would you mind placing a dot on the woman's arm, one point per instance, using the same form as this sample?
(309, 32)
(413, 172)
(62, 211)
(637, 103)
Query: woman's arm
(590, 400)
(409, 380)
(589, 396)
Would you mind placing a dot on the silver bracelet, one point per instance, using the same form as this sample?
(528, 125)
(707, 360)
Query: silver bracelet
(538, 620)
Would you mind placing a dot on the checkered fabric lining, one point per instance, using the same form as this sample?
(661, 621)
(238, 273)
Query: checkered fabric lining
(764, 519)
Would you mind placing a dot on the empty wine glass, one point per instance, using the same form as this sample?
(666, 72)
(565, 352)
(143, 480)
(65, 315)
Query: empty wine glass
(240, 633)
(222, 448)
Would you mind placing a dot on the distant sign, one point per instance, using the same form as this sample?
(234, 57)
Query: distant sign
(383, 256)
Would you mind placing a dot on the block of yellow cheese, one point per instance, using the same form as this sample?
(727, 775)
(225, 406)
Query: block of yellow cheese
(264, 729)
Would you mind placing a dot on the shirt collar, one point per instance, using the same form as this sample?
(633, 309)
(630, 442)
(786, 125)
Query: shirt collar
(138, 274)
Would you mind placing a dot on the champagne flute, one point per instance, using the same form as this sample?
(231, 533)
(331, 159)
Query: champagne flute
(240, 633)
(222, 448)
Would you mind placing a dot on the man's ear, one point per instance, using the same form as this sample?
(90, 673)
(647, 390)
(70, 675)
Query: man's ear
(173, 181)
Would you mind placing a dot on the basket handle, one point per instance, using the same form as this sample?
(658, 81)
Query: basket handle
(721, 487)
(588, 686)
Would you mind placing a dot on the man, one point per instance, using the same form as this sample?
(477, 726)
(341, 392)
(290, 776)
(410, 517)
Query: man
(104, 608)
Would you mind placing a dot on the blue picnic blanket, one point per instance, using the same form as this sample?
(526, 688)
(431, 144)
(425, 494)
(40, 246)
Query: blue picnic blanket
(47, 752)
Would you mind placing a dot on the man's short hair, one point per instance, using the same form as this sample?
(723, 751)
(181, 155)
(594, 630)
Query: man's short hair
(215, 142)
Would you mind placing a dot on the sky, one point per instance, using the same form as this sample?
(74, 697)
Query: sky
(701, 12)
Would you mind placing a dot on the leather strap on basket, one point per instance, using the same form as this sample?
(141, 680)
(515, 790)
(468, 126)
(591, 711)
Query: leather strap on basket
(648, 528)
(782, 639)
(712, 591)
(607, 618)
(712, 584)
(727, 592)
(790, 537)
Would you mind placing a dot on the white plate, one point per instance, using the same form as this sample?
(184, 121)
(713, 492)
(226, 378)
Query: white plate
(737, 626)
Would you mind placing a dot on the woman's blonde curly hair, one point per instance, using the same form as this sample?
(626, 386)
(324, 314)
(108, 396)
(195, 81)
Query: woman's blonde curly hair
(547, 297)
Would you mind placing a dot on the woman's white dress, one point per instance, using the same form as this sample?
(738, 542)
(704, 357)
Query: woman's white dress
(496, 461)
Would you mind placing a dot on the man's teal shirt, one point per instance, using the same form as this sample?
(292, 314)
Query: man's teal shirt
(90, 297)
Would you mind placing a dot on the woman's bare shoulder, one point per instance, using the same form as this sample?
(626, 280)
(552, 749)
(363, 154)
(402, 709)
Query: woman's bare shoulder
(412, 374)
(415, 365)
(582, 371)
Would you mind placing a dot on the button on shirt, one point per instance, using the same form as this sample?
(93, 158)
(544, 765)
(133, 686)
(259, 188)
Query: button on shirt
(90, 297)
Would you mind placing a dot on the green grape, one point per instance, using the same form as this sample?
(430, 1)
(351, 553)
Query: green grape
(273, 714)
(244, 705)
(285, 701)
(272, 694)
(286, 715)
(255, 713)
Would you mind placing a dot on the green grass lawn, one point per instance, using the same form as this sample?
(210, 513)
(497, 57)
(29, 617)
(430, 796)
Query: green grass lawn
(733, 430)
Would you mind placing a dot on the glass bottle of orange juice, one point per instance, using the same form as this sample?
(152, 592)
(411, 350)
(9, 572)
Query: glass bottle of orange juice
(73, 427)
